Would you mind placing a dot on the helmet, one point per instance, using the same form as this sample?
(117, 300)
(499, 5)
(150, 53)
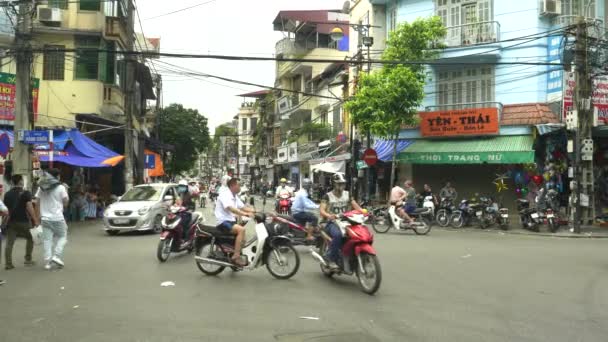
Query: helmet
(283, 180)
(183, 182)
(338, 178)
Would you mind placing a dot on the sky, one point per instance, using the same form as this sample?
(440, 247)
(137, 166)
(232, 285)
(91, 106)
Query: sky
(229, 27)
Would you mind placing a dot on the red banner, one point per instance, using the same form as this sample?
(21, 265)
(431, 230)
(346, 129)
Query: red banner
(7, 96)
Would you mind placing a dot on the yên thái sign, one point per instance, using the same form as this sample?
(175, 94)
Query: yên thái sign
(7, 96)
(459, 122)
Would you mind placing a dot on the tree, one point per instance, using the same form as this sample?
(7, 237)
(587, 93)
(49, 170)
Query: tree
(389, 98)
(187, 130)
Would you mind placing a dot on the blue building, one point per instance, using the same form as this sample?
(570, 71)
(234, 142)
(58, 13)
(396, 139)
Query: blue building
(483, 36)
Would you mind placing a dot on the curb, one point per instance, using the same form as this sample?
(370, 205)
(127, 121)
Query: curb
(589, 235)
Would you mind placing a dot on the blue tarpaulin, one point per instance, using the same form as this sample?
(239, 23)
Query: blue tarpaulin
(384, 148)
(82, 151)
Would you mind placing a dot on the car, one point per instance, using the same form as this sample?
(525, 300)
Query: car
(140, 209)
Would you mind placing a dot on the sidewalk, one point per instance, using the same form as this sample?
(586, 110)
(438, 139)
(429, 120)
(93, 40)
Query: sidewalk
(588, 232)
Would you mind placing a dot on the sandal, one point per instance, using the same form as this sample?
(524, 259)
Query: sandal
(239, 262)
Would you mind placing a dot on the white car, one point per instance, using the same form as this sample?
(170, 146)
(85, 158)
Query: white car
(141, 208)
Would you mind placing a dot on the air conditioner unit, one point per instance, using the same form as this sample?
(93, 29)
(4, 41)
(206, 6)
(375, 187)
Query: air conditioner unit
(49, 15)
(550, 8)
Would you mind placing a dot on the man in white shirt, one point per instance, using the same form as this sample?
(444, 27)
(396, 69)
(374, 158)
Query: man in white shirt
(52, 199)
(228, 205)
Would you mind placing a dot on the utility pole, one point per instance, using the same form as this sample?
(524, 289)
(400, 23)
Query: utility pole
(24, 113)
(129, 90)
(583, 169)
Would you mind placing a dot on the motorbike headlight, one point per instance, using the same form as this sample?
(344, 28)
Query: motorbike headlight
(143, 211)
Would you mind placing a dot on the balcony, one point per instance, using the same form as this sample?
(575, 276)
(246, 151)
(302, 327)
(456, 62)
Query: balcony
(285, 46)
(113, 101)
(472, 34)
(595, 25)
(115, 29)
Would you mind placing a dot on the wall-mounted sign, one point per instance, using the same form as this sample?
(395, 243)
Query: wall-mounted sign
(599, 97)
(459, 122)
(293, 152)
(282, 154)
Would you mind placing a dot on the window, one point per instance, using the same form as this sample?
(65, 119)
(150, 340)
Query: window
(115, 8)
(468, 22)
(337, 119)
(107, 65)
(244, 124)
(63, 4)
(254, 123)
(243, 150)
(54, 63)
(465, 86)
(579, 7)
(392, 19)
(87, 62)
(90, 5)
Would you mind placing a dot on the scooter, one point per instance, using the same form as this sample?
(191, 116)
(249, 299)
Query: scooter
(446, 208)
(215, 248)
(358, 256)
(284, 204)
(295, 231)
(387, 219)
(171, 240)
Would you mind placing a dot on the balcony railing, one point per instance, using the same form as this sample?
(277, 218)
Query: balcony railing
(595, 26)
(285, 46)
(471, 34)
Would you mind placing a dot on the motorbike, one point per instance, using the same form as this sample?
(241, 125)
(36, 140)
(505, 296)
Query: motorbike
(244, 195)
(467, 212)
(530, 218)
(445, 210)
(284, 204)
(491, 213)
(384, 220)
(171, 236)
(358, 256)
(295, 231)
(546, 210)
(214, 250)
(429, 202)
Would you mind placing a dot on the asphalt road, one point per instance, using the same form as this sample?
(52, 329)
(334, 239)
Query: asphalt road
(447, 286)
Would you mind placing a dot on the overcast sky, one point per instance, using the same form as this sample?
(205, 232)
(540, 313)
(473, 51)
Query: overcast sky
(231, 27)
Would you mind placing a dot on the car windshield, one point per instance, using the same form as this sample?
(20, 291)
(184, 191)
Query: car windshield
(143, 193)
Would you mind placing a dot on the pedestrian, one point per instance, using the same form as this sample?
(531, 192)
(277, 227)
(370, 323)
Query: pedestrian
(52, 198)
(448, 191)
(22, 218)
(3, 214)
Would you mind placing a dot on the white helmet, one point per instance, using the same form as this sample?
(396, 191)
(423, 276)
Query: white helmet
(183, 182)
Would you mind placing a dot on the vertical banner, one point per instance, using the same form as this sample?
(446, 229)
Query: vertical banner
(7, 96)
(555, 73)
(599, 97)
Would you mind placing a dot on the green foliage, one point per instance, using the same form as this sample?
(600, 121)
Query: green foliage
(313, 131)
(222, 130)
(187, 130)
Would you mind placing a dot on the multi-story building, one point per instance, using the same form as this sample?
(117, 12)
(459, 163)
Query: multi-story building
(85, 89)
(309, 101)
(483, 37)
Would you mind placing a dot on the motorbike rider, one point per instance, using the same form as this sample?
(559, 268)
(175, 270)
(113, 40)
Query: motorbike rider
(185, 200)
(301, 207)
(282, 189)
(410, 197)
(228, 205)
(398, 195)
(333, 203)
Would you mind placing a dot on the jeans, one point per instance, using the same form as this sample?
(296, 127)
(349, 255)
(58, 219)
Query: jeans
(304, 217)
(50, 230)
(333, 253)
(13, 229)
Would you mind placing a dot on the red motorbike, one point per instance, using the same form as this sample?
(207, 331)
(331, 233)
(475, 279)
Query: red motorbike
(358, 256)
(171, 236)
(284, 204)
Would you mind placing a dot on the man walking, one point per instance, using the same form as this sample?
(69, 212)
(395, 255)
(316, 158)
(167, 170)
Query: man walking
(3, 214)
(52, 199)
(21, 218)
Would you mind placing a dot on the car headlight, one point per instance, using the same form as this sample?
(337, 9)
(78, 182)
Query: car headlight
(106, 212)
(143, 211)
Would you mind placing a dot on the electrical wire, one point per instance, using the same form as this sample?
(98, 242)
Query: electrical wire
(180, 10)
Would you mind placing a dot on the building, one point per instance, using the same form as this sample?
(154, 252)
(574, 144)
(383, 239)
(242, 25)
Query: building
(85, 89)
(518, 100)
(308, 104)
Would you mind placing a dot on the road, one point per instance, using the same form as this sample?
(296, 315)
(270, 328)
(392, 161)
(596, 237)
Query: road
(447, 286)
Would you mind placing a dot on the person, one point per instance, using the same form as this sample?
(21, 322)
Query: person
(228, 205)
(283, 189)
(3, 214)
(52, 196)
(333, 203)
(21, 218)
(91, 207)
(78, 207)
(448, 191)
(301, 209)
(429, 192)
(397, 197)
(410, 197)
(224, 184)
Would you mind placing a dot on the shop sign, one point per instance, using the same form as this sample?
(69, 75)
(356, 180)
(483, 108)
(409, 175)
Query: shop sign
(340, 157)
(513, 157)
(599, 99)
(7, 96)
(34, 137)
(282, 154)
(293, 152)
(459, 122)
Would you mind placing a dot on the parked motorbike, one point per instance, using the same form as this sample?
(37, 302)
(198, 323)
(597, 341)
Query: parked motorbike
(384, 220)
(444, 211)
(214, 250)
(529, 217)
(358, 256)
(171, 236)
(546, 211)
(467, 212)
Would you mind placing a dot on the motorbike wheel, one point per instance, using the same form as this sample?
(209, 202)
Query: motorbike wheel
(324, 269)
(164, 249)
(424, 228)
(370, 280)
(553, 225)
(442, 218)
(206, 251)
(457, 219)
(381, 222)
(285, 255)
(504, 224)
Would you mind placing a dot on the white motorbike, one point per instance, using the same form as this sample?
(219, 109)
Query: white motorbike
(384, 220)
(215, 248)
(429, 203)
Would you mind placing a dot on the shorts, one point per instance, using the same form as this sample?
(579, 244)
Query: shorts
(409, 208)
(304, 217)
(226, 226)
